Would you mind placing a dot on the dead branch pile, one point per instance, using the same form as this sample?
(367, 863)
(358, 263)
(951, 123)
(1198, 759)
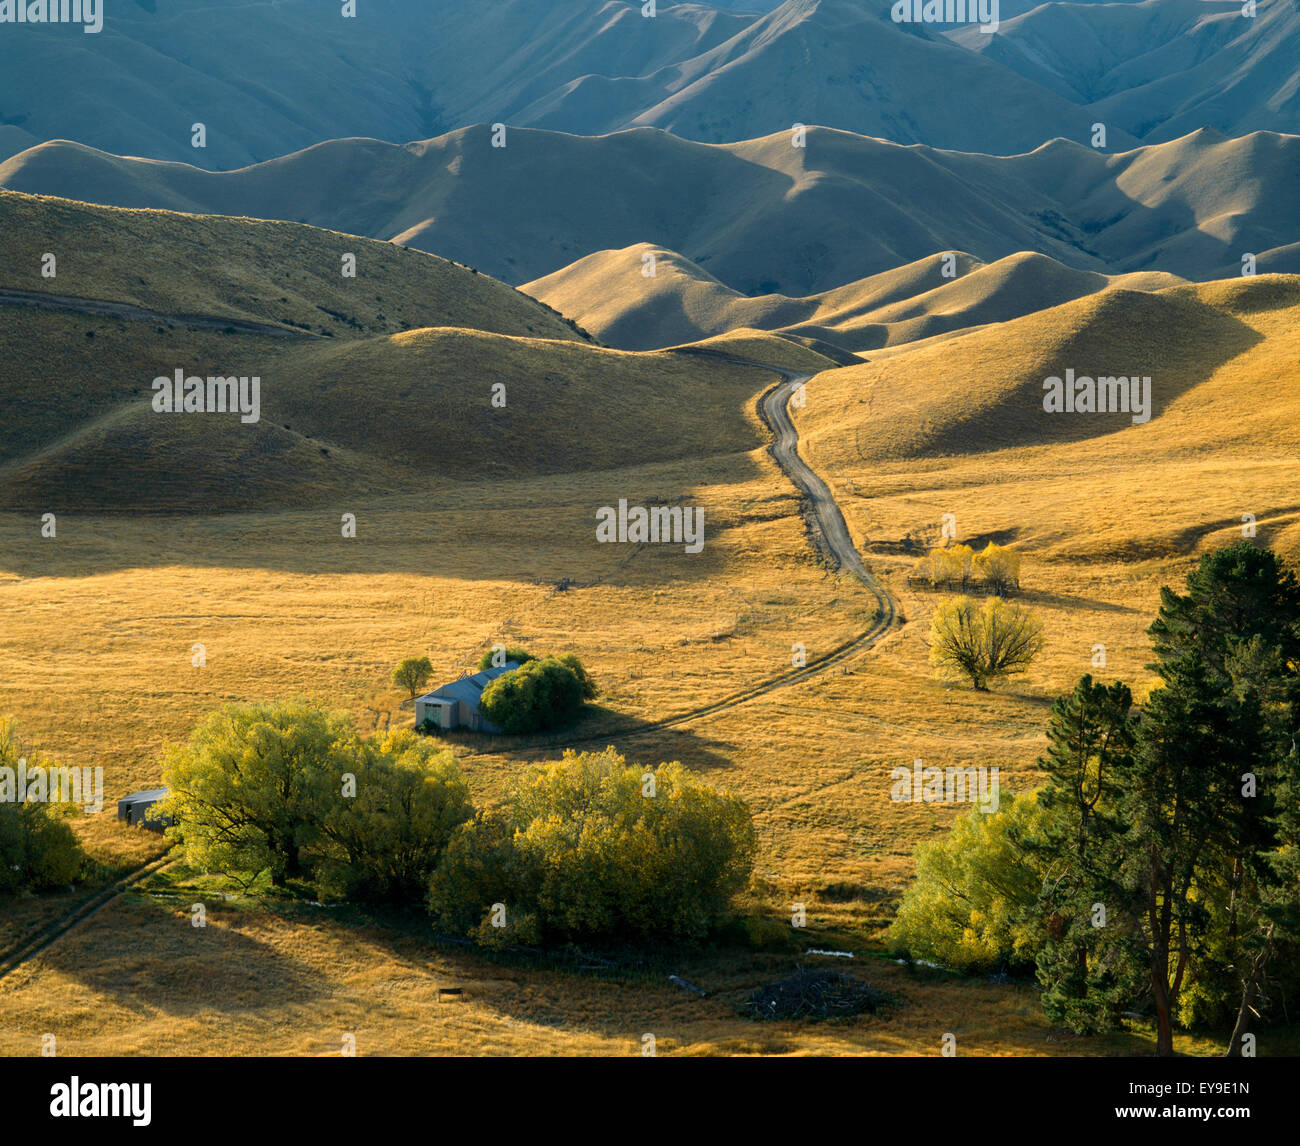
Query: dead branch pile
(815, 995)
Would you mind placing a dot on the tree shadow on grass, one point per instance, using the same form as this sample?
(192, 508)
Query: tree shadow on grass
(1093, 604)
(642, 741)
(147, 956)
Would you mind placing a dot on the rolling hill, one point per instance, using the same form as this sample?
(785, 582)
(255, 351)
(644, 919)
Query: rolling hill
(608, 294)
(274, 273)
(339, 420)
(350, 406)
(962, 427)
(761, 217)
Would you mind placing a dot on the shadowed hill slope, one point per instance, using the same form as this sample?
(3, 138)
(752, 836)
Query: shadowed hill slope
(352, 411)
(276, 273)
(339, 419)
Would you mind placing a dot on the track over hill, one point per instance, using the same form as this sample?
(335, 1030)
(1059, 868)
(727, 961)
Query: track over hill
(774, 408)
(40, 300)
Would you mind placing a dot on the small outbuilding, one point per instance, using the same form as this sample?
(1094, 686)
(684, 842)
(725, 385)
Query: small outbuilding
(455, 705)
(137, 810)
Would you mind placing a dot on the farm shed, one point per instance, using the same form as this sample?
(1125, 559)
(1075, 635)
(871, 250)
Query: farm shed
(137, 810)
(455, 705)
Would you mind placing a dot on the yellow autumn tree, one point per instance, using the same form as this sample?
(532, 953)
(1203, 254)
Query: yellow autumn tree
(951, 565)
(594, 848)
(972, 904)
(983, 644)
(998, 567)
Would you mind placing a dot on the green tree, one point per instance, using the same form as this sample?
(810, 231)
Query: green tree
(387, 825)
(246, 790)
(1239, 624)
(1087, 978)
(1175, 796)
(590, 848)
(574, 665)
(971, 906)
(413, 674)
(1204, 852)
(496, 657)
(985, 644)
(539, 695)
(1270, 923)
(39, 851)
(1235, 594)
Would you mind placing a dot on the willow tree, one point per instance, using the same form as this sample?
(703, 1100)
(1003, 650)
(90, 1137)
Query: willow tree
(246, 790)
(983, 644)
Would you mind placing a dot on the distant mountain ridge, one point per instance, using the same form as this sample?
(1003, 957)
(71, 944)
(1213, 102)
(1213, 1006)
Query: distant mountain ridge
(411, 69)
(762, 217)
(1161, 68)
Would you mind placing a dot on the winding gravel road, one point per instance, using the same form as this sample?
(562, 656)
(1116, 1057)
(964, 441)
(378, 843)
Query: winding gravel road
(774, 408)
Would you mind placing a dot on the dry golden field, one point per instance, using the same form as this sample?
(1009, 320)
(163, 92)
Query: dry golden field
(100, 625)
(110, 633)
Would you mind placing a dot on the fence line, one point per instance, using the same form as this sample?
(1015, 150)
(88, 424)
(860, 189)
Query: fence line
(964, 584)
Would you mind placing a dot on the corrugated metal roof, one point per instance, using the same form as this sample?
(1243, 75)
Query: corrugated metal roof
(148, 797)
(470, 688)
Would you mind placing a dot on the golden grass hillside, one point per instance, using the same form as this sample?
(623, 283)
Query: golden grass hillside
(360, 417)
(283, 274)
(608, 294)
(1204, 347)
(784, 351)
(101, 623)
(1102, 511)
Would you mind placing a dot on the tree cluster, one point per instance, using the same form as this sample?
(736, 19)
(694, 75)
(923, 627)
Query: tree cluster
(1159, 868)
(293, 792)
(593, 848)
(39, 851)
(589, 847)
(996, 569)
(540, 694)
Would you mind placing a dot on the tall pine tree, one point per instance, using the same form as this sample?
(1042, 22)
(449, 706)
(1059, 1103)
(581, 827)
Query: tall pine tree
(1205, 851)
(1087, 977)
